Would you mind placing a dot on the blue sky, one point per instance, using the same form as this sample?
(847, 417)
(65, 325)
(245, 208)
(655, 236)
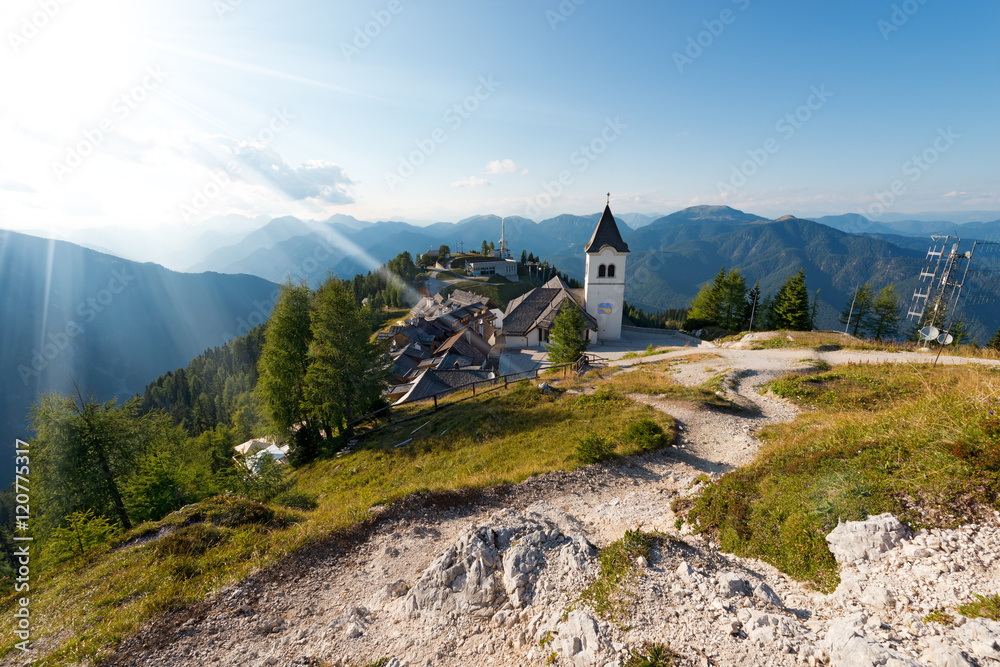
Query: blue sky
(145, 114)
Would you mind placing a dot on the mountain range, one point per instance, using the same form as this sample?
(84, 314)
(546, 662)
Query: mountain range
(77, 319)
(110, 325)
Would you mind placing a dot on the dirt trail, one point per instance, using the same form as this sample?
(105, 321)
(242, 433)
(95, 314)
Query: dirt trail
(323, 606)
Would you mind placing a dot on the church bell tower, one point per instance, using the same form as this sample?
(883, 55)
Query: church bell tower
(604, 285)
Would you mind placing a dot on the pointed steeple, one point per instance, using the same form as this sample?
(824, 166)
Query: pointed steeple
(606, 234)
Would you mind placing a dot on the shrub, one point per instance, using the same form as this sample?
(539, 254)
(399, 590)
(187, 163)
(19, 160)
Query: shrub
(646, 435)
(593, 449)
(651, 654)
(984, 606)
(190, 540)
(81, 532)
(610, 593)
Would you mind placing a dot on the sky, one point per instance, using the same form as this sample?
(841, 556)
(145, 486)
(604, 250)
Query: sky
(143, 115)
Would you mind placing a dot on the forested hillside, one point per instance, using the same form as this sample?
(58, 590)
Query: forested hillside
(80, 319)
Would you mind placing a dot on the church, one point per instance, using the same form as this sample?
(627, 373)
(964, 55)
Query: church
(528, 320)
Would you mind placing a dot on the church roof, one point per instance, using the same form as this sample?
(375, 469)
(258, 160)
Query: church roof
(606, 234)
(540, 306)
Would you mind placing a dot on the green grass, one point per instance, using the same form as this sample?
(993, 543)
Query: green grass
(497, 288)
(915, 441)
(984, 606)
(93, 602)
(655, 379)
(611, 594)
(939, 616)
(652, 654)
(822, 341)
(649, 352)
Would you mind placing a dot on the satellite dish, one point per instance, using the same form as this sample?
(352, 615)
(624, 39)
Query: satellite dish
(945, 339)
(929, 333)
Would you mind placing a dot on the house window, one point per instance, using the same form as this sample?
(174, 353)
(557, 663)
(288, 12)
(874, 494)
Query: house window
(600, 271)
(611, 270)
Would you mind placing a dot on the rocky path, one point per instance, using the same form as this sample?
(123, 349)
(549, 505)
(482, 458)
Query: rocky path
(496, 578)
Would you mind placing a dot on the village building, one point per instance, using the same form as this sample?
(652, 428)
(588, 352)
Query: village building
(484, 268)
(529, 319)
(500, 264)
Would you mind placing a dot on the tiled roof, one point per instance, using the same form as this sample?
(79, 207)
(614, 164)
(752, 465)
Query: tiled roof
(540, 306)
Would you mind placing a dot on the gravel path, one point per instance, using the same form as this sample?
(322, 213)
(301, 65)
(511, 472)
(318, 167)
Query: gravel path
(402, 590)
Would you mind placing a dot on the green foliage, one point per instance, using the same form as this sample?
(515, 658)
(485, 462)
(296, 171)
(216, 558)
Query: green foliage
(610, 593)
(215, 389)
(791, 309)
(347, 372)
(939, 616)
(646, 435)
(390, 285)
(594, 449)
(858, 309)
(984, 606)
(671, 318)
(567, 339)
(284, 359)
(722, 303)
(916, 442)
(79, 533)
(885, 315)
(85, 454)
(651, 654)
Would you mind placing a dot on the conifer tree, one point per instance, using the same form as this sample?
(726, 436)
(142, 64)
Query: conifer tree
(791, 304)
(705, 307)
(995, 341)
(347, 372)
(732, 308)
(567, 339)
(753, 303)
(283, 363)
(858, 309)
(885, 312)
(85, 453)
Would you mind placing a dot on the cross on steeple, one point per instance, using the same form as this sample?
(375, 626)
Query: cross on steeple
(609, 199)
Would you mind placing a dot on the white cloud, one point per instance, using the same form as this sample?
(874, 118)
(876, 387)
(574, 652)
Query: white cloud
(501, 167)
(471, 182)
(315, 179)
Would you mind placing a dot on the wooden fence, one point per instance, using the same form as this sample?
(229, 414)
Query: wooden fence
(500, 382)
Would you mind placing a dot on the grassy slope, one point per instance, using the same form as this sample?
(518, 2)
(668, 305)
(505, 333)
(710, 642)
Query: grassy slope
(84, 607)
(826, 341)
(916, 441)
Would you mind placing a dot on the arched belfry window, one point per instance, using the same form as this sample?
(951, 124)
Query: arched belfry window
(611, 270)
(601, 271)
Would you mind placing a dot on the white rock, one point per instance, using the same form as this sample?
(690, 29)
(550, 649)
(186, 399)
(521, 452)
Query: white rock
(731, 584)
(866, 540)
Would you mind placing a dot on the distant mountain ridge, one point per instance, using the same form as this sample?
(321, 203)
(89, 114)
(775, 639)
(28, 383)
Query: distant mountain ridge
(105, 324)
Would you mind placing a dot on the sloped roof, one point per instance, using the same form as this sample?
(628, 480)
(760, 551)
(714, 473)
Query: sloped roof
(606, 234)
(540, 306)
(436, 381)
(524, 312)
